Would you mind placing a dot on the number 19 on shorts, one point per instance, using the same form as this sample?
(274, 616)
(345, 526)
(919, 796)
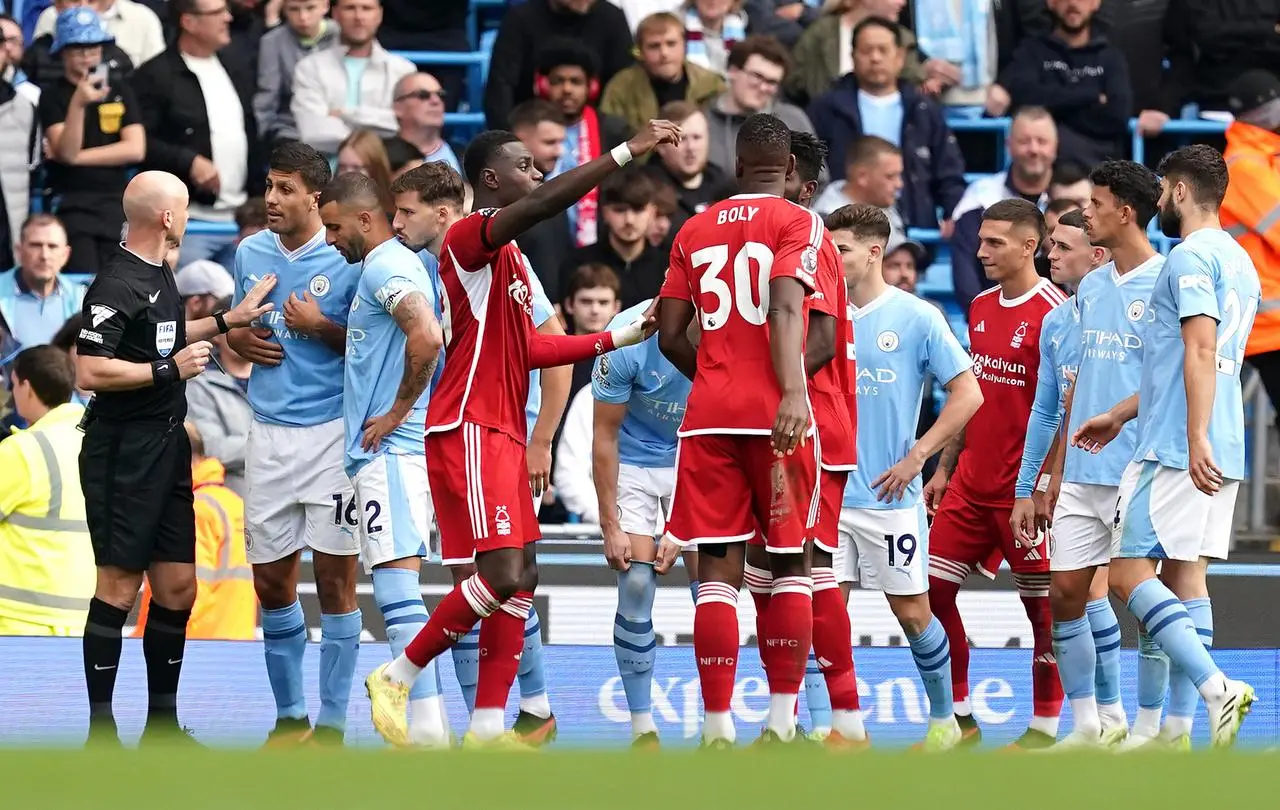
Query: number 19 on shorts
(902, 550)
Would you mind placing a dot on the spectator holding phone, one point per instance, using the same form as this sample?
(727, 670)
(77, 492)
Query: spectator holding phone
(93, 136)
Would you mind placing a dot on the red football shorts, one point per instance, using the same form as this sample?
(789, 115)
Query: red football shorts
(726, 486)
(979, 536)
(480, 490)
(826, 532)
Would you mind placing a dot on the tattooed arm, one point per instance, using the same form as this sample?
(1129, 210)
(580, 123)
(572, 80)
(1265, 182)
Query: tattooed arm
(951, 453)
(423, 340)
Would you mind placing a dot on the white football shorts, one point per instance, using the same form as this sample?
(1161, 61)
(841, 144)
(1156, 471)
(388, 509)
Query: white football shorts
(884, 549)
(393, 508)
(644, 496)
(1161, 515)
(1082, 525)
(297, 492)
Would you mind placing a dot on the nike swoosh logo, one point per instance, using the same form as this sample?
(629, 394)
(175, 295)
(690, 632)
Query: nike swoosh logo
(172, 661)
(152, 298)
(103, 669)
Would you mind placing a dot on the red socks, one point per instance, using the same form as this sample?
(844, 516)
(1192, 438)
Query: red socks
(1046, 686)
(788, 634)
(715, 643)
(942, 601)
(760, 583)
(832, 640)
(501, 642)
(468, 603)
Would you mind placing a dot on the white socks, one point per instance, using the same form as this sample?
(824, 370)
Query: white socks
(1048, 725)
(782, 716)
(962, 707)
(428, 725)
(1214, 687)
(848, 724)
(487, 723)
(538, 706)
(642, 723)
(1148, 722)
(1113, 716)
(402, 670)
(719, 726)
(1175, 727)
(1085, 712)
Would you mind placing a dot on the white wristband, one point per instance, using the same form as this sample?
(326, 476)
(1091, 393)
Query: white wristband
(1043, 484)
(621, 154)
(629, 335)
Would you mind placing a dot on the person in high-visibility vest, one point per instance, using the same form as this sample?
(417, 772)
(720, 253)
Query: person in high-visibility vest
(226, 607)
(1251, 210)
(47, 572)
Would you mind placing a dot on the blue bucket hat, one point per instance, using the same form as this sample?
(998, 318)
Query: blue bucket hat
(79, 26)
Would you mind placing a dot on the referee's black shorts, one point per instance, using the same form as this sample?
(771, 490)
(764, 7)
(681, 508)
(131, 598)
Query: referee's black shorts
(139, 504)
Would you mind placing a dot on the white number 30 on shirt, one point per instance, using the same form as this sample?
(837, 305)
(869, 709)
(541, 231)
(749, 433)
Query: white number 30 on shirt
(740, 296)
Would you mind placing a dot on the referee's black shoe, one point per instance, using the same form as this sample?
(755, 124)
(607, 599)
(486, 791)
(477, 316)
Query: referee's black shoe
(166, 735)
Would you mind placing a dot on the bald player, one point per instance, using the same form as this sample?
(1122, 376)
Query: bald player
(136, 352)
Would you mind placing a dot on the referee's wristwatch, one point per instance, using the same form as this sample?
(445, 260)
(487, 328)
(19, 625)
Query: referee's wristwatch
(220, 319)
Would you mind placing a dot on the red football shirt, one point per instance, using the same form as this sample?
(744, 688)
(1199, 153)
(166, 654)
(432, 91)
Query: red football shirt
(1004, 341)
(832, 390)
(722, 261)
(488, 318)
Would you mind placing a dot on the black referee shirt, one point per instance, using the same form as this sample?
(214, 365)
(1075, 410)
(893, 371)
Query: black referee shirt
(132, 312)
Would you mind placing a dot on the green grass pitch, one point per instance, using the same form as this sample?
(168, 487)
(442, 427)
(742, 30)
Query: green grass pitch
(559, 780)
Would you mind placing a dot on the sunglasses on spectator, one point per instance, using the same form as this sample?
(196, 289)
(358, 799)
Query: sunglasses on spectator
(422, 95)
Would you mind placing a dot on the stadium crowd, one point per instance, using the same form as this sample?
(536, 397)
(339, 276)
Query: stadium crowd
(94, 91)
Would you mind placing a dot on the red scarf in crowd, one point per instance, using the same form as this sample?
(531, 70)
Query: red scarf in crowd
(588, 150)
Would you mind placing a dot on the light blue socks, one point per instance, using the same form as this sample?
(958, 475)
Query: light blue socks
(339, 649)
(634, 644)
(816, 697)
(1169, 623)
(1106, 646)
(932, 654)
(399, 597)
(284, 641)
(532, 674)
(1153, 684)
(1183, 695)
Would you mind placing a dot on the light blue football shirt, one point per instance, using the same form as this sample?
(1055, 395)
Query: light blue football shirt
(1208, 273)
(653, 390)
(375, 352)
(1059, 354)
(899, 339)
(306, 388)
(1115, 317)
(542, 312)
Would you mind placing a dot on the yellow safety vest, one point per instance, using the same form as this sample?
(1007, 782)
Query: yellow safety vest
(226, 606)
(47, 572)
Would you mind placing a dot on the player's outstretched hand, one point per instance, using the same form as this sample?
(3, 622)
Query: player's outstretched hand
(791, 424)
(192, 359)
(1023, 520)
(893, 482)
(654, 133)
(1204, 473)
(251, 307)
(377, 429)
(934, 490)
(668, 553)
(617, 548)
(1097, 432)
(256, 346)
(303, 314)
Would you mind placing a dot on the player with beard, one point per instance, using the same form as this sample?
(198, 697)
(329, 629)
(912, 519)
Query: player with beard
(1177, 495)
(491, 345)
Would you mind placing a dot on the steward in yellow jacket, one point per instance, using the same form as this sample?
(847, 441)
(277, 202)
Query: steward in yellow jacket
(226, 606)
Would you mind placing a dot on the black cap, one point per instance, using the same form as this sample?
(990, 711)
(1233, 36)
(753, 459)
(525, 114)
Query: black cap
(1252, 89)
(921, 254)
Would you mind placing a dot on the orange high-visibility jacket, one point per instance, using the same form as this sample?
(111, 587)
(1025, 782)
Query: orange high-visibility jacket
(226, 606)
(1251, 213)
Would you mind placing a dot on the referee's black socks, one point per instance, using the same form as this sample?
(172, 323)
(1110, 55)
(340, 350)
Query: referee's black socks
(163, 643)
(102, 633)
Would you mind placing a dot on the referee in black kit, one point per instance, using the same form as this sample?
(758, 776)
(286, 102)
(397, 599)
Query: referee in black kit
(136, 352)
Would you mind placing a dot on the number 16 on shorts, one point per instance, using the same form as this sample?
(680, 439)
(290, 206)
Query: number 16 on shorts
(885, 549)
